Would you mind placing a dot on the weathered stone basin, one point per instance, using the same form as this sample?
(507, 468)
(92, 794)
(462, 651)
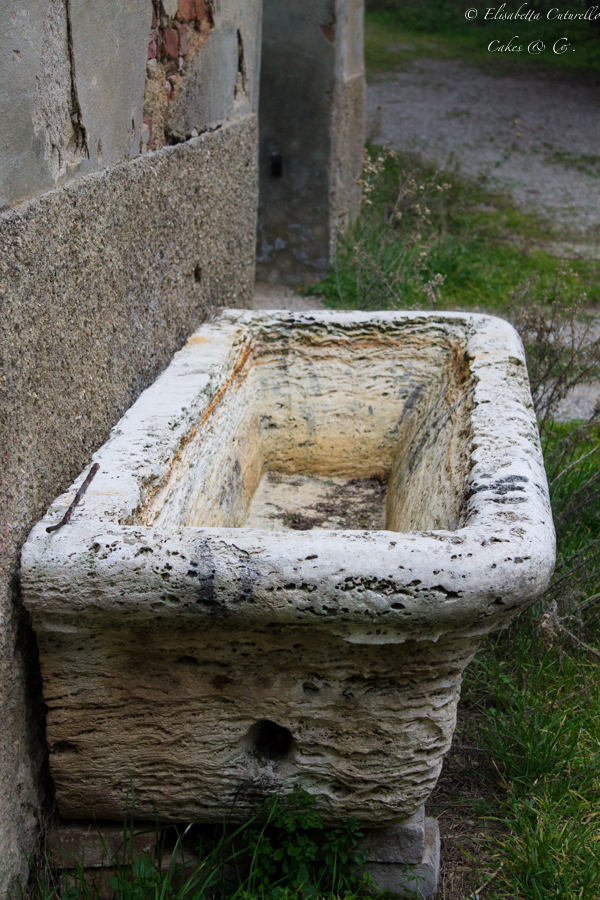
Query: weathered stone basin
(293, 545)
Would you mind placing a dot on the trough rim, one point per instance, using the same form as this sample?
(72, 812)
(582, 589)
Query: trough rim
(498, 562)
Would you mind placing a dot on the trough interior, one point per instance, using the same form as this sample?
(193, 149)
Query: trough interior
(349, 428)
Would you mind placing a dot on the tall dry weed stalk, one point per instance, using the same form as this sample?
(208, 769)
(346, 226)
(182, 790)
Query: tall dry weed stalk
(563, 348)
(373, 268)
(563, 352)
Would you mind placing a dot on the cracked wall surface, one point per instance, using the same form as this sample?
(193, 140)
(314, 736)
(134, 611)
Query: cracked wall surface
(113, 248)
(72, 79)
(84, 86)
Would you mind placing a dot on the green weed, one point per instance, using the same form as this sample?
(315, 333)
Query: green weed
(428, 237)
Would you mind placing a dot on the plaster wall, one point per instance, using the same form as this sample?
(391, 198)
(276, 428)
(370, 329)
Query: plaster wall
(83, 85)
(113, 248)
(72, 79)
(312, 132)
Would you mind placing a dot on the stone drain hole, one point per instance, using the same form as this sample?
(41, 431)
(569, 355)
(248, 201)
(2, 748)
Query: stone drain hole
(269, 740)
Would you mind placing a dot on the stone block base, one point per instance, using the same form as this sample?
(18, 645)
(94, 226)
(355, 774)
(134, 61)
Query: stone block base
(407, 876)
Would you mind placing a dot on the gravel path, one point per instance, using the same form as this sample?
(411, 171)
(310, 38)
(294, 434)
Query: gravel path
(278, 296)
(535, 137)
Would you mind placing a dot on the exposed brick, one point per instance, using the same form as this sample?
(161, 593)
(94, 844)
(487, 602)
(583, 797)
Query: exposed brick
(154, 23)
(170, 44)
(200, 9)
(186, 10)
(152, 48)
(192, 11)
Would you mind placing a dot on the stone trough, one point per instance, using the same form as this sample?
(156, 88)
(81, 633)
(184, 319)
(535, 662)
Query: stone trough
(293, 545)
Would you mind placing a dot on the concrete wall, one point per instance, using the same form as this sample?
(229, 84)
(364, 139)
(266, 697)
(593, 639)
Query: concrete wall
(312, 133)
(348, 126)
(121, 230)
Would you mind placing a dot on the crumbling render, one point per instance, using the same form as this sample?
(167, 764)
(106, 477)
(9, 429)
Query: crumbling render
(179, 29)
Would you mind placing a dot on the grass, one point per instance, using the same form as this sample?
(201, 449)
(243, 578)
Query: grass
(588, 164)
(476, 239)
(398, 32)
(536, 719)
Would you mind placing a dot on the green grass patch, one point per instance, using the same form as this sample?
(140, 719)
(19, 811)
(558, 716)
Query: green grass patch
(538, 723)
(398, 32)
(573, 468)
(536, 692)
(476, 239)
(588, 164)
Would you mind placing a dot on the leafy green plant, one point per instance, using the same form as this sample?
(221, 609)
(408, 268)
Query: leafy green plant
(293, 850)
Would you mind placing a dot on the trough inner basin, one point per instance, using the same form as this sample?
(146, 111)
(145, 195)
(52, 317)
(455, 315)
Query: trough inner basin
(302, 502)
(330, 429)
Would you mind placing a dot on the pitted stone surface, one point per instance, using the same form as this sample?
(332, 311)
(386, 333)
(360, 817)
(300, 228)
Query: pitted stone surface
(208, 662)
